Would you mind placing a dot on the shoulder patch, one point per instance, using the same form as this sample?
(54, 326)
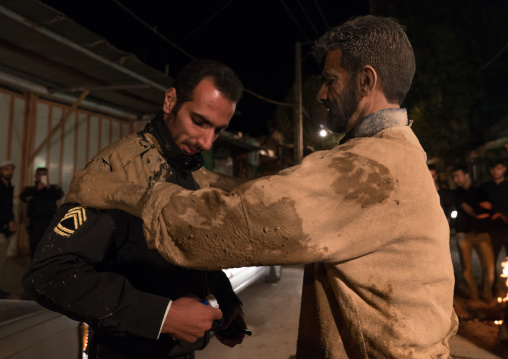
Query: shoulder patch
(73, 219)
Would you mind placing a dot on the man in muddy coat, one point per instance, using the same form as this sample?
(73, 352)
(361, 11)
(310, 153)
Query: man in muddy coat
(364, 216)
(94, 265)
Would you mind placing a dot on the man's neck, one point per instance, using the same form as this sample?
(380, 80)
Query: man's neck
(368, 109)
(377, 122)
(5, 181)
(498, 180)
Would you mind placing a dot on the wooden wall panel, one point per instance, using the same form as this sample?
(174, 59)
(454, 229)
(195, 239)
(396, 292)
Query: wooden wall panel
(68, 148)
(16, 137)
(82, 137)
(104, 137)
(94, 137)
(115, 131)
(41, 131)
(26, 121)
(5, 115)
(55, 168)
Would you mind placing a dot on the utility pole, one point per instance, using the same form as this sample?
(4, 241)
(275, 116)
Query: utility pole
(298, 99)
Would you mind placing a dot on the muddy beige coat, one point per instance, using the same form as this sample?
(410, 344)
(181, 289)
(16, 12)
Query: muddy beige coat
(365, 214)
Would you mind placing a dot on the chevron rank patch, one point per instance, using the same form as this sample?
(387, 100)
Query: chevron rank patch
(72, 220)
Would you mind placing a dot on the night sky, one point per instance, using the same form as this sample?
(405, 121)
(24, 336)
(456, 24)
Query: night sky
(256, 38)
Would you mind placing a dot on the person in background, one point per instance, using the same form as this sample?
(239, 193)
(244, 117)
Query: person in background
(472, 227)
(7, 223)
(497, 203)
(42, 204)
(446, 196)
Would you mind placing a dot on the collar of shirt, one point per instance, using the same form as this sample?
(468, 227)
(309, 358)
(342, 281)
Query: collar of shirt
(377, 122)
(177, 159)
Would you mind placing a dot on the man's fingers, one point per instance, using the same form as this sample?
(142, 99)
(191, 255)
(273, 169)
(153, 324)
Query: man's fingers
(217, 314)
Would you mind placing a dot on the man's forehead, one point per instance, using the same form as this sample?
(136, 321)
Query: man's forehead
(333, 63)
(206, 91)
(333, 58)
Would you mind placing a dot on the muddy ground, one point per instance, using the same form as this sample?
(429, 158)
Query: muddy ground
(476, 323)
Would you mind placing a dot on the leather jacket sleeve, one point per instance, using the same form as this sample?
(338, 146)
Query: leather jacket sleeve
(65, 276)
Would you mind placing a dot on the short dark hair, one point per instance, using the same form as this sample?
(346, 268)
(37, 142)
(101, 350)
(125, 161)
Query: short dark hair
(376, 41)
(41, 169)
(461, 167)
(223, 77)
(496, 161)
(432, 167)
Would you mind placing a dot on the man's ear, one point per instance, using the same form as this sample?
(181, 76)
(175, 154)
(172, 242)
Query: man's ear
(368, 80)
(169, 100)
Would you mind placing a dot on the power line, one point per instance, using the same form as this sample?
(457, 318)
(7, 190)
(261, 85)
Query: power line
(191, 56)
(321, 13)
(295, 21)
(154, 30)
(207, 21)
(307, 17)
(290, 104)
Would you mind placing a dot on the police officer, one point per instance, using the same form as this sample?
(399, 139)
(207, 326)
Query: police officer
(95, 266)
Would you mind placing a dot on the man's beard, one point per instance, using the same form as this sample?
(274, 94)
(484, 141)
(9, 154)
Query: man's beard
(170, 120)
(340, 111)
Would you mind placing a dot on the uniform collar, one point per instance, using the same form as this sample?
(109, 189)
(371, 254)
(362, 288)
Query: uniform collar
(376, 122)
(177, 159)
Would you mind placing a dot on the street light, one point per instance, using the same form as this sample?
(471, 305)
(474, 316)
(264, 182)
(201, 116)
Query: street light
(323, 133)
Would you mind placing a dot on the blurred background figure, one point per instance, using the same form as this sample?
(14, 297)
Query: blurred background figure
(497, 203)
(472, 227)
(7, 223)
(41, 199)
(446, 196)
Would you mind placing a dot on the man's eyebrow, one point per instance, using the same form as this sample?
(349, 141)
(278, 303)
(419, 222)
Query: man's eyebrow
(208, 122)
(326, 73)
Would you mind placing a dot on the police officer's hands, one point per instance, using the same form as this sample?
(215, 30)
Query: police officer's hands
(231, 332)
(486, 205)
(499, 215)
(188, 319)
(107, 190)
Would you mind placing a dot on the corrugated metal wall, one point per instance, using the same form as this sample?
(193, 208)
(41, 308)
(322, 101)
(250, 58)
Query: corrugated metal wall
(26, 121)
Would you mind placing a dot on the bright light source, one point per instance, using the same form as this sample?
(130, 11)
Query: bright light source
(323, 133)
(454, 214)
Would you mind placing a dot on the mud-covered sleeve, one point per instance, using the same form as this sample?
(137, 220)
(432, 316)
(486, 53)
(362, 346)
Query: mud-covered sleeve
(329, 208)
(207, 178)
(64, 276)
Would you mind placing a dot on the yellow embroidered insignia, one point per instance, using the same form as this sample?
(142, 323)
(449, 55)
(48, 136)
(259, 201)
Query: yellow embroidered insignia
(72, 220)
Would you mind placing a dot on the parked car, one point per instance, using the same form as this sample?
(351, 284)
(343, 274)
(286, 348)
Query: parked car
(241, 278)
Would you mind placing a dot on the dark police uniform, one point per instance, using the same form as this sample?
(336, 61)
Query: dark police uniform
(95, 266)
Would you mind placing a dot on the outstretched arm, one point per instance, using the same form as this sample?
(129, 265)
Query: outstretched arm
(312, 212)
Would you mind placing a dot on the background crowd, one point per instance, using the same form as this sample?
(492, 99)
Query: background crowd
(41, 200)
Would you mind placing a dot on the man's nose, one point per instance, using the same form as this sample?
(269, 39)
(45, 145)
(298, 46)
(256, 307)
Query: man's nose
(206, 140)
(322, 94)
